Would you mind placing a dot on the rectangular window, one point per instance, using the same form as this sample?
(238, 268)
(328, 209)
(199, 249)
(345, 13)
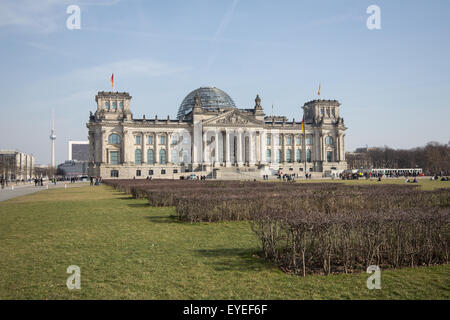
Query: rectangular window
(308, 140)
(299, 140)
(138, 139)
(150, 172)
(279, 141)
(150, 139)
(174, 140)
(268, 140)
(114, 157)
(268, 155)
(288, 155)
(163, 171)
(288, 140)
(138, 173)
(329, 156)
(114, 173)
(162, 140)
(175, 170)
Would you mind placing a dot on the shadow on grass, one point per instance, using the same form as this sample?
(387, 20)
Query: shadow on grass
(139, 205)
(235, 259)
(126, 197)
(163, 219)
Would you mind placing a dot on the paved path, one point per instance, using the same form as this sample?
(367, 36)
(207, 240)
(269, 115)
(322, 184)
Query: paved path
(21, 190)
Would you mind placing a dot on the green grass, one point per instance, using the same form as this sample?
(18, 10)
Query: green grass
(128, 250)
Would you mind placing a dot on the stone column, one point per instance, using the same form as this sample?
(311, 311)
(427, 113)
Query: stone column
(169, 151)
(263, 147)
(227, 157)
(252, 146)
(102, 139)
(216, 150)
(205, 147)
(273, 156)
(144, 151)
(294, 149)
(336, 147)
(239, 149)
(156, 148)
(124, 153)
(258, 146)
(343, 147)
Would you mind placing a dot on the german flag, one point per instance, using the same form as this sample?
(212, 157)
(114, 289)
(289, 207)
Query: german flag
(112, 80)
(303, 125)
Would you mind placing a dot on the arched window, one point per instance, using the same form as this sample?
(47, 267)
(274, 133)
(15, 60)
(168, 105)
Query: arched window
(150, 156)
(121, 105)
(162, 156)
(289, 155)
(114, 105)
(308, 155)
(268, 156)
(138, 156)
(114, 139)
(298, 155)
(107, 105)
(328, 140)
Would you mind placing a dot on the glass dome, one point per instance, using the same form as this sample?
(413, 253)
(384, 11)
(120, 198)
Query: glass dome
(210, 98)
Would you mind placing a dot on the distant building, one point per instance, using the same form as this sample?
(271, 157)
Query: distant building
(79, 150)
(16, 165)
(73, 168)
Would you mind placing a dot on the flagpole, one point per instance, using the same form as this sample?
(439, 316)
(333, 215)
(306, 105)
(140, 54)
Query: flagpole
(304, 142)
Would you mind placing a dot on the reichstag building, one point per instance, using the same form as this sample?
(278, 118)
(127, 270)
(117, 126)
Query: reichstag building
(212, 136)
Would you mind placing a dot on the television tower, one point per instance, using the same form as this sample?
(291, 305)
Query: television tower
(53, 138)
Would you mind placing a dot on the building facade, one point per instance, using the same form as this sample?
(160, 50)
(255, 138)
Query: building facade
(78, 151)
(16, 165)
(212, 137)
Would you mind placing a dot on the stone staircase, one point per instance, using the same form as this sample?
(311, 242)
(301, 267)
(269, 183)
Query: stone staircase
(243, 173)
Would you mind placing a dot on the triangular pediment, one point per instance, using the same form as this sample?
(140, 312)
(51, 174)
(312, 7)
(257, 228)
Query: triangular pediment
(233, 118)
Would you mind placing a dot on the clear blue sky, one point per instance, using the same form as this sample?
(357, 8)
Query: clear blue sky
(393, 83)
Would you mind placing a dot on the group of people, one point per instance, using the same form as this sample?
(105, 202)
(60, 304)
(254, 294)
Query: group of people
(436, 178)
(411, 181)
(38, 182)
(96, 181)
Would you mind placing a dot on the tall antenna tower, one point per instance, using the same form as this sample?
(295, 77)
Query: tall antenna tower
(53, 138)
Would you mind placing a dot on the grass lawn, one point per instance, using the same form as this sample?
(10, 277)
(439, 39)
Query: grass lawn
(128, 250)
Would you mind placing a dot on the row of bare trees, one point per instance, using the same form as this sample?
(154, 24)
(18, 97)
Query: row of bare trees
(434, 158)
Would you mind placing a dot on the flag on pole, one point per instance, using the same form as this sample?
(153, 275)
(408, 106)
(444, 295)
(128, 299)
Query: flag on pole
(112, 80)
(319, 90)
(303, 125)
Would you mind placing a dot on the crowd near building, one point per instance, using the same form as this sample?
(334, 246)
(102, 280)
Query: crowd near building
(16, 165)
(213, 137)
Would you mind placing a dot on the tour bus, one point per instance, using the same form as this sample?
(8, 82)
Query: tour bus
(399, 172)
